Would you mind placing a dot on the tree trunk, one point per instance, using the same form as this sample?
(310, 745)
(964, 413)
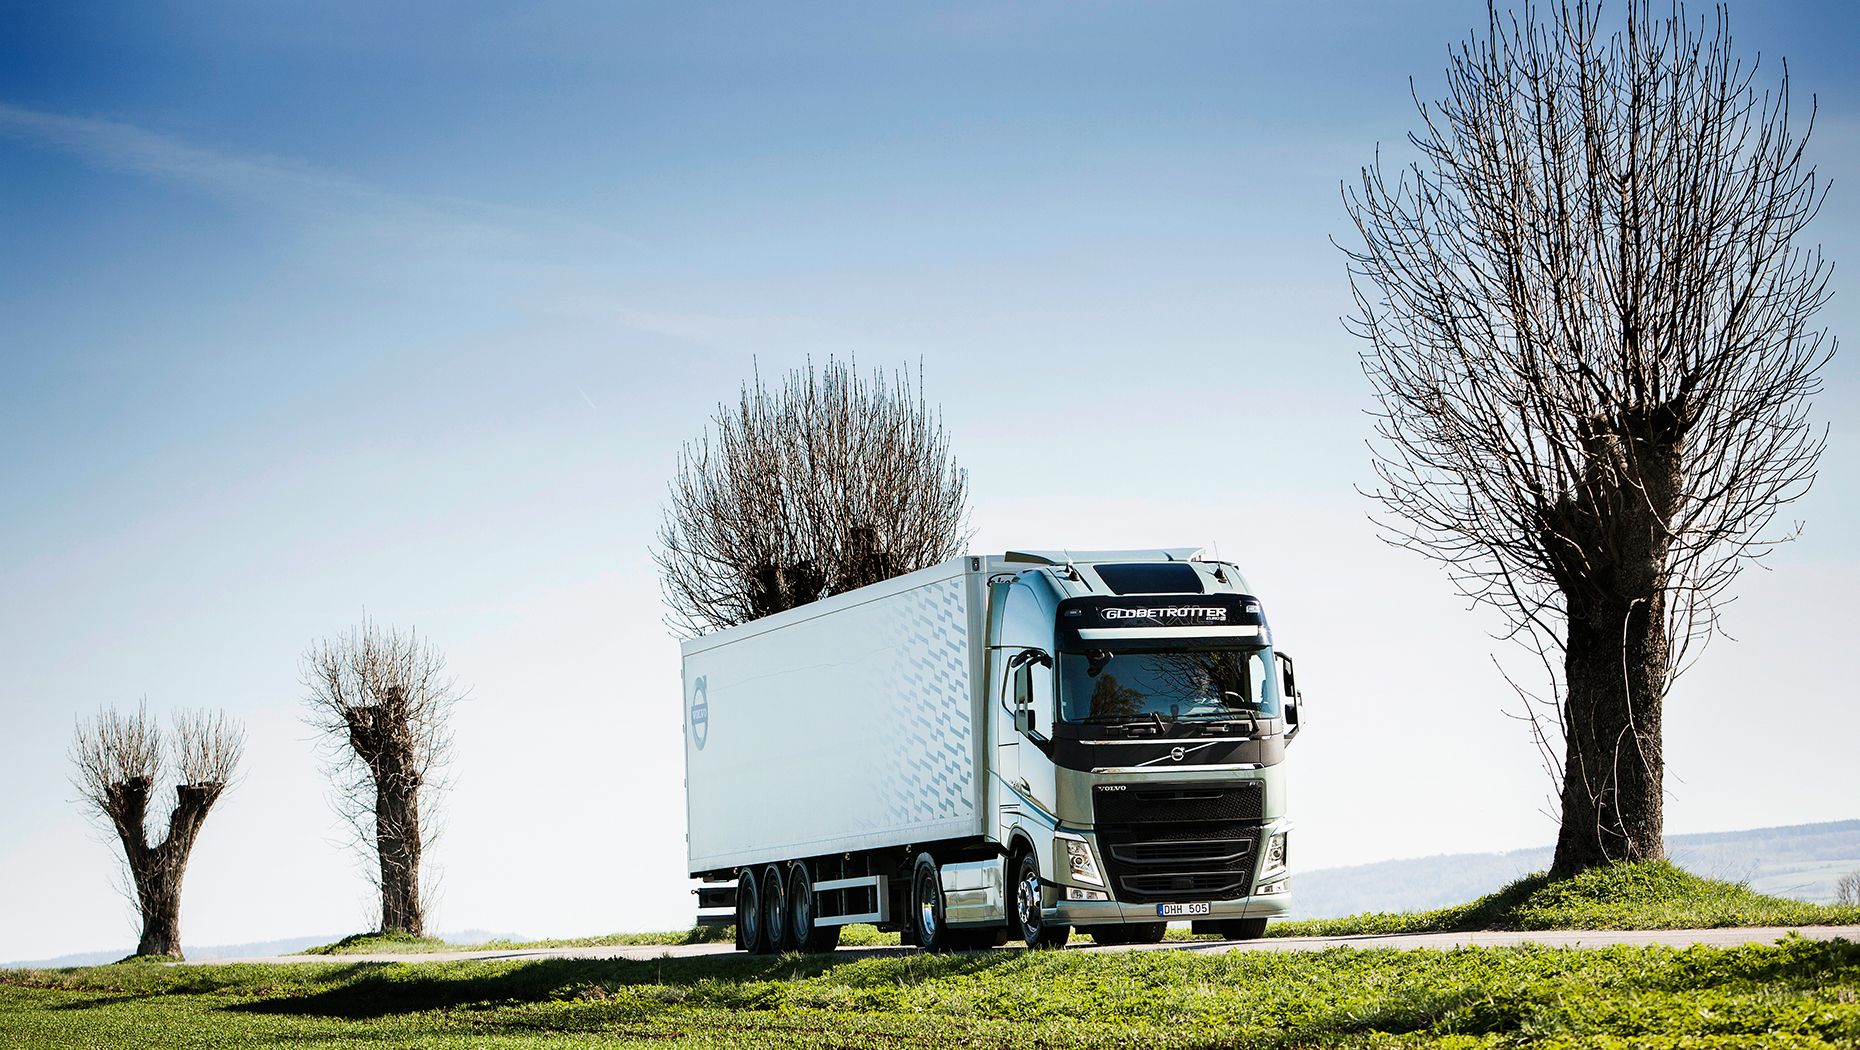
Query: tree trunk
(157, 871)
(1615, 668)
(1615, 535)
(397, 842)
(161, 918)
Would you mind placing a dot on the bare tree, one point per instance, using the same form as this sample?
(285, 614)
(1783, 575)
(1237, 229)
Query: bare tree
(1847, 890)
(831, 482)
(1588, 326)
(383, 702)
(119, 760)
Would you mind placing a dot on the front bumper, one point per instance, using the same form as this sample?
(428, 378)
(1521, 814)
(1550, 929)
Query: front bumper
(1093, 913)
(1060, 908)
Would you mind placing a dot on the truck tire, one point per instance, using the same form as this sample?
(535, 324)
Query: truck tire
(1146, 932)
(1241, 929)
(748, 912)
(1128, 932)
(1026, 920)
(803, 934)
(774, 911)
(928, 922)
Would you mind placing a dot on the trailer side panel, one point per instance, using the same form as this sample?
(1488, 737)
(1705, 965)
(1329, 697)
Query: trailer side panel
(843, 726)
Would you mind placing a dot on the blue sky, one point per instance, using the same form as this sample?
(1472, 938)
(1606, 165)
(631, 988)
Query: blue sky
(306, 311)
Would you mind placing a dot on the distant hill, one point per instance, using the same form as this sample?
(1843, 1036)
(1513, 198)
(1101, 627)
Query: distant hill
(253, 950)
(1802, 861)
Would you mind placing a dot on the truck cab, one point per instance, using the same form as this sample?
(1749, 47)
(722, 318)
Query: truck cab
(1139, 716)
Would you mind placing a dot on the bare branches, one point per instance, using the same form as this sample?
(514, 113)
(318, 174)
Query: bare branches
(830, 483)
(119, 759)
(1594, 259)
(113, 752)
(207, 748)
(383, 701)
(1588, 327)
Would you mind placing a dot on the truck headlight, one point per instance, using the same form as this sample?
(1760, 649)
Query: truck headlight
(1275, 856)
(1083, 865)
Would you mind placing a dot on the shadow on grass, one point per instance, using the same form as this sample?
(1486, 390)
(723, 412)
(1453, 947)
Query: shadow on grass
(381, 990)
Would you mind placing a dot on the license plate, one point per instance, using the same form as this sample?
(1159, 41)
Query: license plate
(1171, 910)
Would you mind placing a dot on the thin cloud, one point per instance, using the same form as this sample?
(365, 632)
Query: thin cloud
(538, 262)
(418, 222)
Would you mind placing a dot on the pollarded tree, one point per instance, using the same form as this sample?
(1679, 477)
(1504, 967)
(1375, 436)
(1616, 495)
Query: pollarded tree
(383, 702)
(1588, 313)
(120, 759)
(831, 482)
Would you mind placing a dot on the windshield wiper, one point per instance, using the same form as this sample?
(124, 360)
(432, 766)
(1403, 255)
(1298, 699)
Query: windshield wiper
(1251, 717)
(1153, 725)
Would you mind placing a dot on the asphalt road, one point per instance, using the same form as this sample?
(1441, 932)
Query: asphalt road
(1724, 938)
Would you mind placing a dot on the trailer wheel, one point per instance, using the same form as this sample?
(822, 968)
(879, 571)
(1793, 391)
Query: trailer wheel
(1028, 922)
(803, 934)
(927, 916)
(774, 911)
(748, 912)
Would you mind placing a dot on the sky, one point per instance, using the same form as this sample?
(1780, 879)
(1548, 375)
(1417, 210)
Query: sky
(307, 311)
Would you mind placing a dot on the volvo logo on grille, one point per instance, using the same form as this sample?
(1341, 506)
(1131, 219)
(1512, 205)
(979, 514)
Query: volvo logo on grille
(1177, 753)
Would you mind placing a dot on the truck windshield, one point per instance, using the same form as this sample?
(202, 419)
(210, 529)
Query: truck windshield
(1099, 686)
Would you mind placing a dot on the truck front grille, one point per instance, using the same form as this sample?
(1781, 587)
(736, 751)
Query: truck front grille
(1205, 851)
(1180, 843)
(1182, 887)
(1181, 802)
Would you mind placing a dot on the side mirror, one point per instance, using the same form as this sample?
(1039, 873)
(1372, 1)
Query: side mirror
(1033, 656)
(1289, 695)
(1024, 721)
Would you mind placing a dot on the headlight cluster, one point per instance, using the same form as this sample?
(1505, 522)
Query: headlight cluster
(1083, 865)
(1275, 856)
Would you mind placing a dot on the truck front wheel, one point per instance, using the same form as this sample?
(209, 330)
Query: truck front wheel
(1241, 929)
(1028, 923)
(1129, 933)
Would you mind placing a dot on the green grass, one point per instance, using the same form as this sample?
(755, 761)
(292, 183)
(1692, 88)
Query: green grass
(1795, 994)
(371, 943)
(1652, 896)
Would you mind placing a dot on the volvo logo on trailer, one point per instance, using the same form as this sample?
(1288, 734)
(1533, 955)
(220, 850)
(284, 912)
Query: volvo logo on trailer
(700, 712)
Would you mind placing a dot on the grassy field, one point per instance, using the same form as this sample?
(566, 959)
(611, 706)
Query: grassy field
(1797, 994)
(1794, 994)
(1656, 896)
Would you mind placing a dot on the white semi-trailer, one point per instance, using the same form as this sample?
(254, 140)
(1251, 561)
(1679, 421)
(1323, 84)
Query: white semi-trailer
(995, 747)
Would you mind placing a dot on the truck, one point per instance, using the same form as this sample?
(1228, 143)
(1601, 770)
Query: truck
(996, 747)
